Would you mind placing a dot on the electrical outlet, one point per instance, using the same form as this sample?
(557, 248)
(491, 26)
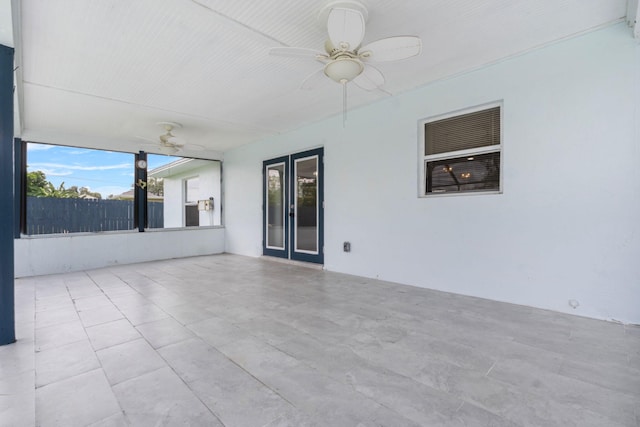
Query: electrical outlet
(346, 246)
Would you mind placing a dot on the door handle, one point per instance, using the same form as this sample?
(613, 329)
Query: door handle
(292, 211)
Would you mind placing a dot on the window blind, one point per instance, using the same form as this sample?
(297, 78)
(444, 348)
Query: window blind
(472, 130)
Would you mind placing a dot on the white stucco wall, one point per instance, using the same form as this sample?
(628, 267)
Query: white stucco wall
(174, 198)
(36, 256)
(565, 227)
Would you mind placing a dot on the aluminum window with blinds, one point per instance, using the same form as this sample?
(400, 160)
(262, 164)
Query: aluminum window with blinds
(461, 153)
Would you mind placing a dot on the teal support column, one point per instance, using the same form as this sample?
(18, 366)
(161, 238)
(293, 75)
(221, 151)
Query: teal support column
(140, 192)
(7, 207)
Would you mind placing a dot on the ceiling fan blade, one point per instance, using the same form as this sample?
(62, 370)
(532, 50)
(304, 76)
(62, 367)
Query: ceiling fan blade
(169, 150)
(297, 52)
(370, 78)
(193, 147)
(392, 48)
(313, 80)
(346, 28)
(175, 140)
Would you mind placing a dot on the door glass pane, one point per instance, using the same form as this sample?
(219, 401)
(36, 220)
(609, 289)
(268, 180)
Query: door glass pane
(275, 206)
(306, 217)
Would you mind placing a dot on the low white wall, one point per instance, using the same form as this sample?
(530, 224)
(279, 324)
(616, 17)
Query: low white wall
(566, 226)
(36, 256)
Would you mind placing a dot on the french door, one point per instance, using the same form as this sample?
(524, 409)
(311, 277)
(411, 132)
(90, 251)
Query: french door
(293, 210)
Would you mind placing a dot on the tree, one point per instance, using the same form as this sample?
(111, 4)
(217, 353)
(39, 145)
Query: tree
(36, 183)
(155, 186)
(38, 186)
(60, 192)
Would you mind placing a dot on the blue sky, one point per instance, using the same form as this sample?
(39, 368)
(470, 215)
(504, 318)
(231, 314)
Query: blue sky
(106, 172)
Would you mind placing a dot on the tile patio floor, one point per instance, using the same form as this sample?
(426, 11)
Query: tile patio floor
(233, 341)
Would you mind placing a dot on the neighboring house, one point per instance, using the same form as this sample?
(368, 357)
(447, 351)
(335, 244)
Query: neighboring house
(128, 195)
(87, 197)
(186, 182)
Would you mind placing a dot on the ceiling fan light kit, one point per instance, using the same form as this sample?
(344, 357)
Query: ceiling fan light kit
(343, 69)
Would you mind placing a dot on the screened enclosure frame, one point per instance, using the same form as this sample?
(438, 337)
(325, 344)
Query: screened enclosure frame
(136, 213)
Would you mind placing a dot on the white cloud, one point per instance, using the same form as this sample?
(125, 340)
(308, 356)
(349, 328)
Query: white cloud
(39, 166)
(53, 172)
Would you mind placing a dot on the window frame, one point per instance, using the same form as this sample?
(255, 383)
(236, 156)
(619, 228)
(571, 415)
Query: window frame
(424, 158)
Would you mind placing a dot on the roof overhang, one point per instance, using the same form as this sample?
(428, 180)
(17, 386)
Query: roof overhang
(178, 167)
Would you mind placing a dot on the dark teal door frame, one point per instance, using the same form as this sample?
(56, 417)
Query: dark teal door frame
(293, 206)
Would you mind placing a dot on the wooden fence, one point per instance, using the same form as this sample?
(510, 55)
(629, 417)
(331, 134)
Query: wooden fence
(49, 215)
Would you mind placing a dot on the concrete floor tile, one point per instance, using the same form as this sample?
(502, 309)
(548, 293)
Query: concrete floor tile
(83, 289)
(117, 420)
(58, 335)
(56, 316)
(293, 419)
(161, 398)
(194, 359)
(18, 409)
(112, 333)
(259, 358)
(330, 402)
(145, 313)
(78, 401)
(91, 302)
(187, 313)
(268, 329)
(53, 302)
(16, 358)
(217, 332)
(129, 360)
(98, 315)
(164, 332)
(244, 402)
(63, 362)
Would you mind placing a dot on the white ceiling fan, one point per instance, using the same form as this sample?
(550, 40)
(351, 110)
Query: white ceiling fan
(168, 143)
(345, 59)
